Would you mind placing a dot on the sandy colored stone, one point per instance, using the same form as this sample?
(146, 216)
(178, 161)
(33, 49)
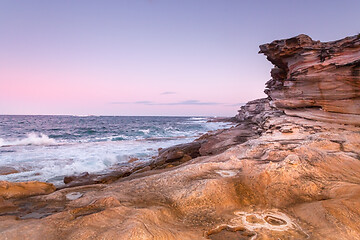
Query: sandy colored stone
(24, 189)
(321, 76)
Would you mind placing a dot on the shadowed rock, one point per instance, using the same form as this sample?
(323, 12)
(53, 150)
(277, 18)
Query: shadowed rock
(7, 170)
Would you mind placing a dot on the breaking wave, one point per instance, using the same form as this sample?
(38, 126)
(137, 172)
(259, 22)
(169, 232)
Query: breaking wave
(31, 139)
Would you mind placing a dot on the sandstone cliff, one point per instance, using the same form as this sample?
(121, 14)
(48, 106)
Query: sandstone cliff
(316, 80)
(289, 170)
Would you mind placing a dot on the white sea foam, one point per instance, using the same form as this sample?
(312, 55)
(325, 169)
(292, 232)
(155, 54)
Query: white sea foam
(145, 131)
(31, 139)
(51, 163)
(198, 118)
(39, 157)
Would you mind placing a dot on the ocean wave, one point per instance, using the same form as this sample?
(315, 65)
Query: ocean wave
(198, 118)
(144, 131)
(118, 138)
(31, 139)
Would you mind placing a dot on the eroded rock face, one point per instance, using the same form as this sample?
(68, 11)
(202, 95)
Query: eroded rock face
(257, 111)
(323, 77)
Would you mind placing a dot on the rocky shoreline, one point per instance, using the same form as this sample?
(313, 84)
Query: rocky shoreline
(289, 169)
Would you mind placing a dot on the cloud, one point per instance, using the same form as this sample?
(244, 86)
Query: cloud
(144, 102)
(137, 102)
(119, 103)
(194, 102)
(167, 93)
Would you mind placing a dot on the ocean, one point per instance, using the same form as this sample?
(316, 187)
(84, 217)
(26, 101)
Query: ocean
(47, 148)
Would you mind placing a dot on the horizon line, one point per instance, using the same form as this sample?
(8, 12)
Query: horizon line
(93, 115)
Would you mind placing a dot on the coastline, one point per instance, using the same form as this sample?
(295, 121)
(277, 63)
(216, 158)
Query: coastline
(68, 146)
(279, 173)
(166, 157)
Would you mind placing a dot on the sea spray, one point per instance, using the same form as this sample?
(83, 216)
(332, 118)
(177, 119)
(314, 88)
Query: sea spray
(30, 139)
(47, 148)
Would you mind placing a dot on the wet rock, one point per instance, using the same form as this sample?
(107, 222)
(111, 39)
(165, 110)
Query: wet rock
(7, 170)
(83, 177)
(88, 179)
(176, 154)
(222, 140)
(178, 151)
(133, 160)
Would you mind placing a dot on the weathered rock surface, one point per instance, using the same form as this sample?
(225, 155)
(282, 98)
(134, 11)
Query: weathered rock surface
(273, 176)
(24, 189)
(324, 77)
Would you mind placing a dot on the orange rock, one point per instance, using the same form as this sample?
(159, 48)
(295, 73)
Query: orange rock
(24, 189)
(320, 76)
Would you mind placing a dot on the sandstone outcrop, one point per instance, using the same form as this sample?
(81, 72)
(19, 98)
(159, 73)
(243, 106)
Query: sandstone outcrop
(323, 78)
(24, 189)
(276, 175)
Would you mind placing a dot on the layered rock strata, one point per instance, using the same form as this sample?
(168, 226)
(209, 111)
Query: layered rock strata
(274, 176)
(316, 80)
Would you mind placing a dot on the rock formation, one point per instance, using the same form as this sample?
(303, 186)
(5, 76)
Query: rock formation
(316, 80)
(25, 189)
(281, 173)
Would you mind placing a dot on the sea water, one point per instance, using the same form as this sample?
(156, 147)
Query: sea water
(47, 148)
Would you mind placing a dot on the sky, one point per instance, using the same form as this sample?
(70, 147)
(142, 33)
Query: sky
(158, 57)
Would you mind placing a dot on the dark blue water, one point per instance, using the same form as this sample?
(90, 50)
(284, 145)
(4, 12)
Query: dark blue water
(47, 148)
(102, 128)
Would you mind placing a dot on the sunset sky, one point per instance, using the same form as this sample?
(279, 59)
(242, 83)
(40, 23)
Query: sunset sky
(159, 57)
